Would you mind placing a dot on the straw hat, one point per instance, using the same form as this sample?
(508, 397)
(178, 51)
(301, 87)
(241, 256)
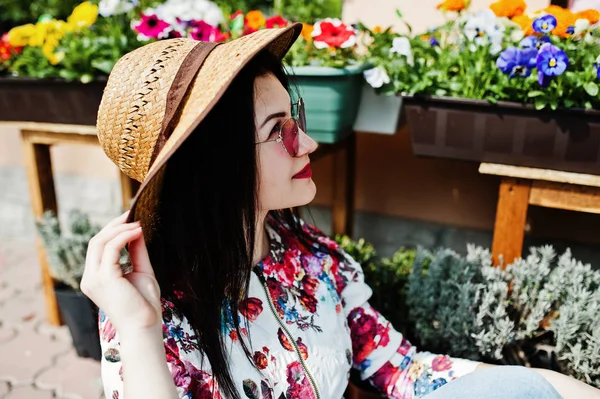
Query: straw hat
(158, 94)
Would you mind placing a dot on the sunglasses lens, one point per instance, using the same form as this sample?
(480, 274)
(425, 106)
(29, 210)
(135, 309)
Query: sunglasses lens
(289, 134)
(301, 115)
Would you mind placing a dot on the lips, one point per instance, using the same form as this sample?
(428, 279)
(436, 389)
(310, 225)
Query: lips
(305, 173)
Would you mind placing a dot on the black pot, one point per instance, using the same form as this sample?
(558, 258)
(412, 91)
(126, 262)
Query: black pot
(50, 100)
(81, 316)
(504, 133)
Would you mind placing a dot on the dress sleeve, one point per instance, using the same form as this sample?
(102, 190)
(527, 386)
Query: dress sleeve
(381, 354)
(190, 381)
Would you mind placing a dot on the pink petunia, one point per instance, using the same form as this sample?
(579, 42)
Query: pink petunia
(151, 27)
(441, 363)
(205, 32)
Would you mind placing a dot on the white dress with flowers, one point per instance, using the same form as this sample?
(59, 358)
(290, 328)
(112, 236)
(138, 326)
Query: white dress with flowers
(310, 322)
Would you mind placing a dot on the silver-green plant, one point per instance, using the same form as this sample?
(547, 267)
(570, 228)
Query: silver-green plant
(66, 250)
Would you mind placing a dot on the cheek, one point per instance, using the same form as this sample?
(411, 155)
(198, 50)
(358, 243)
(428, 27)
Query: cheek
(275, 176)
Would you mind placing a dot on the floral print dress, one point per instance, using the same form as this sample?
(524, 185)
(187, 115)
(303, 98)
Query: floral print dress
(309, 321)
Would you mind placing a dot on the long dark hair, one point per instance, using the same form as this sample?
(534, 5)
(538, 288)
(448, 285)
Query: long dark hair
(205, 232)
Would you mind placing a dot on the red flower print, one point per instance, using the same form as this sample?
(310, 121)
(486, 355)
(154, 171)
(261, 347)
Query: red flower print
(260, 360)
(233, 335)
(303, 348)
(386, 376)
(338, 308)
(276, 21)
(308, 302)
(299, 386)
(441, 363)
(171, 349)
(265, 349)
(108, 332)
(202, 384)
(363, 330)
(251, 308)
(115, 394)
(404, 347)
(310, 284)
(284, 341)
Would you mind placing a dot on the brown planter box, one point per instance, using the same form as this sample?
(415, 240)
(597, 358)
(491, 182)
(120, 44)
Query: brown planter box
(50, 100)
(504, 133)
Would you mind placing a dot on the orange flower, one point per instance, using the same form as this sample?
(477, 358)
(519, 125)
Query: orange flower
(525, 23)
(591, 15)
(565, 19)
(255, 19)
(508, 8)
(377, 29)
(307, 31)
(453, 5)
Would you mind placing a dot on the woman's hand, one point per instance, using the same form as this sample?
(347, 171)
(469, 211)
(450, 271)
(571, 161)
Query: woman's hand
(130, 301)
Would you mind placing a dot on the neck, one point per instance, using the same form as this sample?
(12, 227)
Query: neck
(261, 242)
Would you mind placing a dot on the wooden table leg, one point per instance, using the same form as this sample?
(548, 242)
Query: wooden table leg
(511, 216)
(43, 198)
(129, 188)
(344, 165)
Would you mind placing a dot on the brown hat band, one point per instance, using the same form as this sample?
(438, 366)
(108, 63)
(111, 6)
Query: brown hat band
(178, 90)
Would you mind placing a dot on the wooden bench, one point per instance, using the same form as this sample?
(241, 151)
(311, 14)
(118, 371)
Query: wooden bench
(37, 138)
(521, 187)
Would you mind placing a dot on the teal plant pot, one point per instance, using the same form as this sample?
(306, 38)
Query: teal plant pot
(331, 98)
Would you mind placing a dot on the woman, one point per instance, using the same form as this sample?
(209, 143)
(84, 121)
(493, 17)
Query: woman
(231, 294)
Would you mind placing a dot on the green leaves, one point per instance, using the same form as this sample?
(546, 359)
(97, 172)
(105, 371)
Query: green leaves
(591, 88)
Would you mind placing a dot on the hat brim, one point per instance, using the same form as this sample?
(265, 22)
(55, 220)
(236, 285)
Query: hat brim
(214, 77)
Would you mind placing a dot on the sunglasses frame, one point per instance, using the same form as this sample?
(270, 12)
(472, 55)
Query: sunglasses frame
(300, 122)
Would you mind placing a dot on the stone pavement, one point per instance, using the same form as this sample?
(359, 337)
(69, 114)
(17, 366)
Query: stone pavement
(37, 361)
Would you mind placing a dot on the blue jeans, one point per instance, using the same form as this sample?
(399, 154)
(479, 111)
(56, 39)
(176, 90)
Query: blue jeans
(501, 382)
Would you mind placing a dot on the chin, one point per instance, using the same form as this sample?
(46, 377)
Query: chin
(304, 195)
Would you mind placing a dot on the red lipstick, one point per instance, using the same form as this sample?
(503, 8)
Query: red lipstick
(305, 173)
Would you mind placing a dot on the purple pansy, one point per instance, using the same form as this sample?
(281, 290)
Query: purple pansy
(551, 61)
(544, 24)
(517, 62)
(533, 42)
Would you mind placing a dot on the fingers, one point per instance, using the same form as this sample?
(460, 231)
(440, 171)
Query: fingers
(119, 220)
(112, 252)
(97, 243)
(140, 260)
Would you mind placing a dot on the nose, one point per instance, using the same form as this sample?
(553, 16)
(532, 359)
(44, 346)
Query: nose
(306, 144)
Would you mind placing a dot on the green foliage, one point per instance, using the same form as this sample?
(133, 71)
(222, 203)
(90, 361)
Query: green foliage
(66, 251)
(13, 13)
(308, 11)
(464, 306)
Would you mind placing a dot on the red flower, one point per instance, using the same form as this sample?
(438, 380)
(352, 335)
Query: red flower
(309, 302)
(206, 32)
(251, 308)
(6, 50)
(363, 330)
(310, 284)
(284, 341)
(441, 363)
(299, 385)
(276, 21)
(303, 349)
(233, 335)
(260, 360)
(108, 332)
(151, 27)
(236, 14)
(333, 33)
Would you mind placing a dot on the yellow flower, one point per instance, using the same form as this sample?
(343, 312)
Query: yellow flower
(453, 5)
(377, 29)
(19, 36)
(565, 19)
(39, 36)
(48, 51)
(307, 31)
(255, 19)
(83, 16)
(508, 8)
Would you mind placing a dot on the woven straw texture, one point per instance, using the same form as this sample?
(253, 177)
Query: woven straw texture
(133, 106)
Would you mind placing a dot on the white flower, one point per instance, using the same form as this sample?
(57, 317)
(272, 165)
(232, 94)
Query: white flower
(581, 26)
(188, 10)
(484, 29)
(376, 77)
(401, 45)
(106, 8)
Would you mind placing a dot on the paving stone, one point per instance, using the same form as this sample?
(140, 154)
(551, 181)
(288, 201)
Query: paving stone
(26, 277)
(23, 311)
(7, 292)
(7, 333)
(4, 388)
(72, 377)
(27, 355)
(28, 392)
(61, 333)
